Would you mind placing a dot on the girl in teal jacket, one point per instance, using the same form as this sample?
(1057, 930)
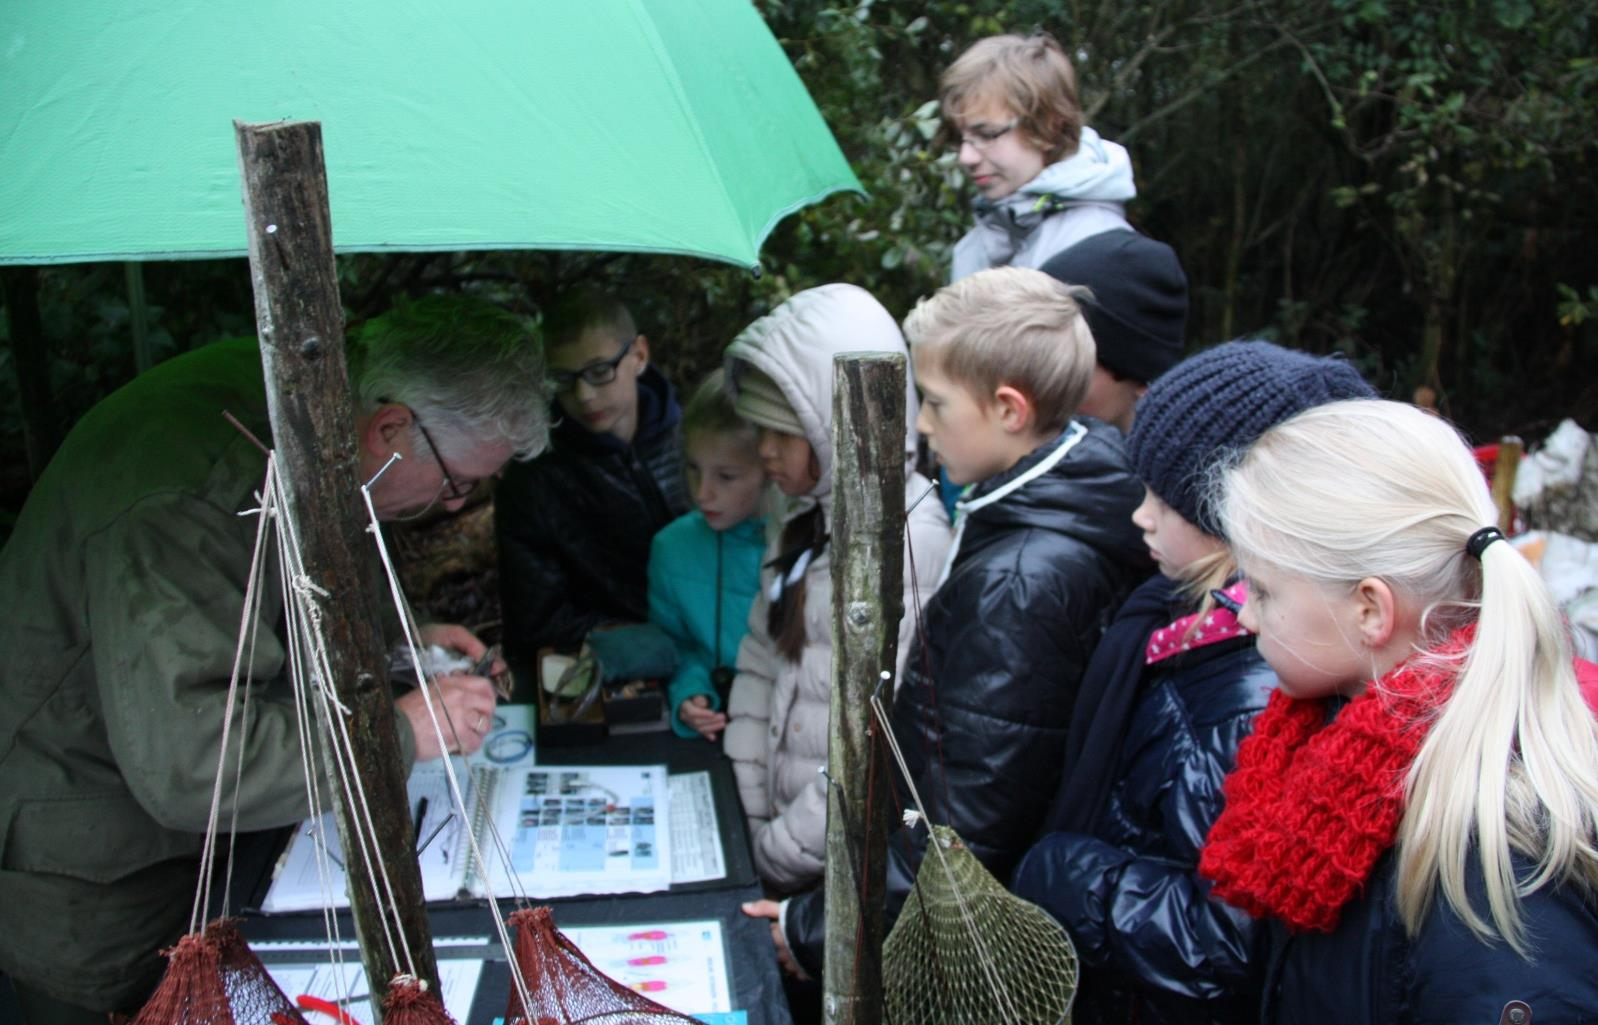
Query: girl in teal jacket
(704, 567)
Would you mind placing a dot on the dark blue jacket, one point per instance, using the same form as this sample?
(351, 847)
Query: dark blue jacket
(1154, 945)
(1369, 972)
(986, 701)
(575, 524)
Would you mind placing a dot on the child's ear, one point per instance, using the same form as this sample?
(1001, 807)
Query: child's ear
(641, 347)
(1376, 612)
(1014, 408)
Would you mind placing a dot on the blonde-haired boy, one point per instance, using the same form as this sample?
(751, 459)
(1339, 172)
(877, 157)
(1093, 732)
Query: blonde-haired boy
(1003, 359)
(1044, 552)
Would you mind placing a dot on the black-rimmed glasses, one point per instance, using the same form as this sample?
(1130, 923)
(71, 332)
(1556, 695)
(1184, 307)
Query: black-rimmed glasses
(452, 488)
(597, 374)
(980, 139)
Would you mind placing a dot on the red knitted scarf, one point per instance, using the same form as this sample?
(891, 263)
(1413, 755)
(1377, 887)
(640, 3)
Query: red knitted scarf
(1312, 806)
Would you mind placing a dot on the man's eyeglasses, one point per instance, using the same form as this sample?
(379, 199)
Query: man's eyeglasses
(598, 373)
(452, 489)
(980, 139)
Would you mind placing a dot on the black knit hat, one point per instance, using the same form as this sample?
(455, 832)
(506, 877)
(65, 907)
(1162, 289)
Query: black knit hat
(1139, 305)
(1219, 402)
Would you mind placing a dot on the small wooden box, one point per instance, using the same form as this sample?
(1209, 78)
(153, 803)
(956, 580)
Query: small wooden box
(587, 726)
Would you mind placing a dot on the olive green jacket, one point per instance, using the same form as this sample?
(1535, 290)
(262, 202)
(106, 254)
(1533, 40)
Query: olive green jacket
(123, 585)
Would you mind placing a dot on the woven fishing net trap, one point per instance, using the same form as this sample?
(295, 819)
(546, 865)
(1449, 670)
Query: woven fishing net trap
(966, 950)
(214, 978)
(563, 986)
(411, 1002)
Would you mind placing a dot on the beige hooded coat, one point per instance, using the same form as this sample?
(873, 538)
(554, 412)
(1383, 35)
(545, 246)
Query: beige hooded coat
(777, 714)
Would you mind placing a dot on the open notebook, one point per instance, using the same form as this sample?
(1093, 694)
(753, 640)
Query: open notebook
(564, 830)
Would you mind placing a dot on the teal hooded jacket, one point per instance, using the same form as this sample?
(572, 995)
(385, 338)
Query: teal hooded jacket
(683, 594)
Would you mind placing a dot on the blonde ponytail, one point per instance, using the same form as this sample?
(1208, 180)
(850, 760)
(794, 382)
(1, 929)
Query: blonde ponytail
(1378, 489)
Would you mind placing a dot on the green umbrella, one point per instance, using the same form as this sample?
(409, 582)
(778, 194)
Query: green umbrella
(668, 126)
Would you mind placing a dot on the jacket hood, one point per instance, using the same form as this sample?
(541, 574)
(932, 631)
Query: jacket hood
(794, 346)
(1099, 171)
(1089, 494)
(658, 416)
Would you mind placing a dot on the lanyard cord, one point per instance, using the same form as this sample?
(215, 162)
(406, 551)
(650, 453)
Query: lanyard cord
(717, 645)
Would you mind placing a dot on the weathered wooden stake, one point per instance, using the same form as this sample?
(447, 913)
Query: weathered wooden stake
(301, 326)
(138, 316)
(31, 358)
(868, 432)
(1505, 469)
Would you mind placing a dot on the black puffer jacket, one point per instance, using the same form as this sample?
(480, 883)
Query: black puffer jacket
(1369, 972)
(985, 703)
(575, 524)
(1154, 946)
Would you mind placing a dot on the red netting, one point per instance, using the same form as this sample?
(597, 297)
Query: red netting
(409, 1003)
(564, 986)
(214, 978)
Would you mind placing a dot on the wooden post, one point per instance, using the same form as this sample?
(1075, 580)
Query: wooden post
(1505, 470)
(40, 426)
(868, 432)
(138, 316)
(301, 326)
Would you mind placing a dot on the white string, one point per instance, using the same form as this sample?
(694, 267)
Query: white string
(362, 827)
(964, 508)
(984, 959)
(304, 717)
(412, 642)
(202, 893)
(244, 732)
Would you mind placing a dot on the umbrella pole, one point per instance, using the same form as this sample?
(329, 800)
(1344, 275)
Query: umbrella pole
(301, 326)
(31, 357)
(868, 432)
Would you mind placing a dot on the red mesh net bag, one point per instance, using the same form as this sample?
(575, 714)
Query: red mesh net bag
(409, 1002)
(564, 987)
(214, 978)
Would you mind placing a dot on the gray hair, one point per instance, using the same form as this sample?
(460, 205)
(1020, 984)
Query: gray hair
(472, 372)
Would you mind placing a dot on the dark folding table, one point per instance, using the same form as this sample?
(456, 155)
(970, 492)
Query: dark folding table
(755, 980)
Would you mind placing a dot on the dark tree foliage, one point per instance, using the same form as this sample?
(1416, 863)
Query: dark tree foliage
(1407, 182)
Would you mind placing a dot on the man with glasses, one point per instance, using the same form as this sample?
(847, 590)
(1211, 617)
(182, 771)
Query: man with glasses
(575, 524)
(123, 583)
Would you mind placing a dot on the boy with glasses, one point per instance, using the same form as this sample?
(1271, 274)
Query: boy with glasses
(1045, 181)
(575, 525)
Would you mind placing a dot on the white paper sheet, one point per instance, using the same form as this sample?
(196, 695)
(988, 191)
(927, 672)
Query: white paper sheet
(298, 885)
(307, 969)
(573, 830)
(695, 839)
(680, 964)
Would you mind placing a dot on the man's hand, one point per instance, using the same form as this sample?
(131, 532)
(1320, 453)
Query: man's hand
(464, 702)
(457, 638)
(772, 910)
(697, 713)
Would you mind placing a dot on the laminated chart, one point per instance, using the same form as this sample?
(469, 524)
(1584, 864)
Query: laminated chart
(585, 829)
(680, 964)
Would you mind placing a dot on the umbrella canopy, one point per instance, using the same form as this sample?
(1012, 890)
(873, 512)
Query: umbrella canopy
(671, 126)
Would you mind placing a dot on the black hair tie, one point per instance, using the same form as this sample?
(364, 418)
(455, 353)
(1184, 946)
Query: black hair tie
(1480, 540)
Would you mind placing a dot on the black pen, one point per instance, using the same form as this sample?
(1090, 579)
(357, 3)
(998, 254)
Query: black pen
(421, 815)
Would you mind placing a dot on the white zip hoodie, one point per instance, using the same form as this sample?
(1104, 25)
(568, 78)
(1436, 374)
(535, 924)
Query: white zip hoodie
(778, 710)
(1076, 198)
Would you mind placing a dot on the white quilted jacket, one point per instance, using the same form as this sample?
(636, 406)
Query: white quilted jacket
(777, 714)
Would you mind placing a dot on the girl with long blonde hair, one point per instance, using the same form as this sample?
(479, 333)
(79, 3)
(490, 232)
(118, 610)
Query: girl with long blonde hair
(1418, 803)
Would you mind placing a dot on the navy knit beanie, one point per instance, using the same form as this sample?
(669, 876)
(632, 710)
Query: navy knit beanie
(1139, 307)
(1220, 401)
